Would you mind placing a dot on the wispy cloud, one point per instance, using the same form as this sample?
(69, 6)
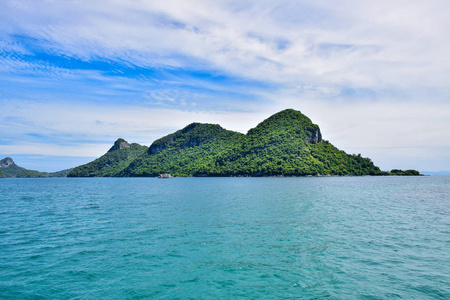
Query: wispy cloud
(72, 125)
(365, 45)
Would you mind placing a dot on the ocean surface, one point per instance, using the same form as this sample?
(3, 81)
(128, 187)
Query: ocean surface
(222, 238)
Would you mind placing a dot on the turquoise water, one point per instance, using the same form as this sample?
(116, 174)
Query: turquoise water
(216, 238)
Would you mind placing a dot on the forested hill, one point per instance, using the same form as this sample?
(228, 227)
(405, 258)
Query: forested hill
(286, 144)
(8, 168)
(191, 151)
(118, 157)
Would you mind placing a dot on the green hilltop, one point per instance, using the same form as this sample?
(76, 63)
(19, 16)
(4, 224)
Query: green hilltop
(114, 161)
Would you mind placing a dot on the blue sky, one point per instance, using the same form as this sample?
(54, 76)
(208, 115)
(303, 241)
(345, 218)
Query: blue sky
(77, 75)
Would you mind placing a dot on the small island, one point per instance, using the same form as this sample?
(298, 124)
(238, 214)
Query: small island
(8, 168)
(285, 144)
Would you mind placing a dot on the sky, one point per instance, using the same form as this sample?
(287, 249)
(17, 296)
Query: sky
(77, 75)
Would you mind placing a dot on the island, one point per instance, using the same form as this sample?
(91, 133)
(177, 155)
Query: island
(285, 144)
(8, 168)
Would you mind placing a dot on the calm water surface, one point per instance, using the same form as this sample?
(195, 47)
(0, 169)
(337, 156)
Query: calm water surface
(203, 238)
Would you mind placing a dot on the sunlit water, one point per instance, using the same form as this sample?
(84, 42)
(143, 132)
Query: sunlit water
(202, 238)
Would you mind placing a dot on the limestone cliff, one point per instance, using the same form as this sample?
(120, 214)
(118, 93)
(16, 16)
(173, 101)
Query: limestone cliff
(6, 162)
(119, 144)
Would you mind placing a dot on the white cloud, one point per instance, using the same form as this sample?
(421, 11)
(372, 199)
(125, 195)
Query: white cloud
(72, 124)
(86, 150)
(357, 44)
(393, 55)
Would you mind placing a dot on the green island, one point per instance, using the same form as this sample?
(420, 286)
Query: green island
(8, 168)
(285, 144)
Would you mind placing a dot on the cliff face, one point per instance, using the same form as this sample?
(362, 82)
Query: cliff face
(119, 144)
(314, 136)
(6, 162)
(161, 146)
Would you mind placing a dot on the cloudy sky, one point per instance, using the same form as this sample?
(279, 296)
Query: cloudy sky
(77, 75)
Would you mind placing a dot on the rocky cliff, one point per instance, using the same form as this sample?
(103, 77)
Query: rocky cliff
(6, 162)
(119, 144)
(10, 169)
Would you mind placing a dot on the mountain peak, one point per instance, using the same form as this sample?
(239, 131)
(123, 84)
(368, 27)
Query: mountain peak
(289, 115)
(195, 125)
(195, 134)
(289, 121)
(119, 144)
(6, 162)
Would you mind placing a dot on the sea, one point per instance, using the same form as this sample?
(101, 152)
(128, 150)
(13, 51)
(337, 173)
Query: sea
(225, 238)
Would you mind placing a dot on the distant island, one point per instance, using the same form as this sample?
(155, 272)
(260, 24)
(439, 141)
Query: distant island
(285, 144)
(8, 168)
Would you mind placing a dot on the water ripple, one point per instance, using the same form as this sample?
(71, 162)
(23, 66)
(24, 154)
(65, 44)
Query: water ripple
(307, 238)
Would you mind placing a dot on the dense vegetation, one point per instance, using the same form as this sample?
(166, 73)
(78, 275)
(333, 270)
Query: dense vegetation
(286, 144)
(187, 152)
(1, 175)
(62, 173)
(13, 170)
(404, 172)
(110, 164)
